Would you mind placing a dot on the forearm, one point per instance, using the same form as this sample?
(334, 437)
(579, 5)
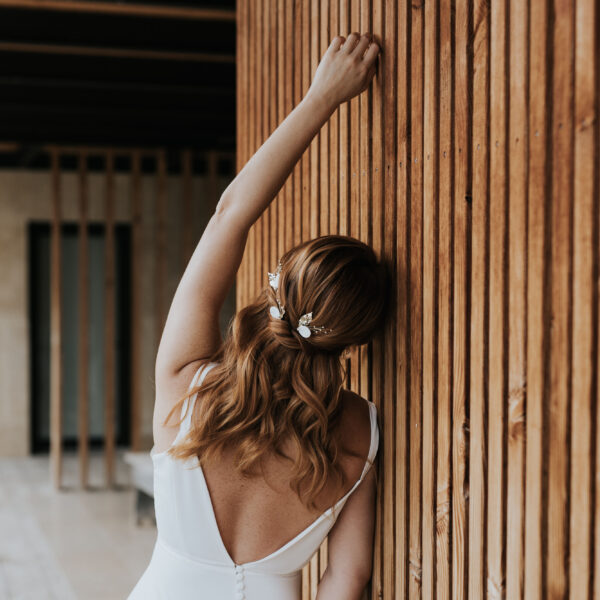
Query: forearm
(261, 178)
(346, 588)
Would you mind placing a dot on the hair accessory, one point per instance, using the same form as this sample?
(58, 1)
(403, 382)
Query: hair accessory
(278, 311)
(274, 277)
(304, 327)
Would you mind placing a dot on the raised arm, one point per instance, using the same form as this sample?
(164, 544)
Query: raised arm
(191, 331)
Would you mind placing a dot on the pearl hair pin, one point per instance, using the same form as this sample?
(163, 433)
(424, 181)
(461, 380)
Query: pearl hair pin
(304, 327)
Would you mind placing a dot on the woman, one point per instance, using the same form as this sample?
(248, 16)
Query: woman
(271, 454)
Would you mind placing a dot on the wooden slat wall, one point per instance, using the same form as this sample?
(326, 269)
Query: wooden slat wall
(184, 251)
(472, 165)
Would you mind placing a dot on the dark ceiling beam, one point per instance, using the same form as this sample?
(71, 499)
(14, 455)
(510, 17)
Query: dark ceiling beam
(116, 86)
(116, 52)
(134, 10)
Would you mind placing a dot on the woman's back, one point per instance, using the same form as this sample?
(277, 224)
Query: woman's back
(245, 538)
(258, 515)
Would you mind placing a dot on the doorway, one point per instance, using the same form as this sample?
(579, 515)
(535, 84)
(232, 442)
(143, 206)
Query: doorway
(39, 311)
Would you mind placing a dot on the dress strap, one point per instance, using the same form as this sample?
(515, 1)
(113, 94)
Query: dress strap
(374, 439)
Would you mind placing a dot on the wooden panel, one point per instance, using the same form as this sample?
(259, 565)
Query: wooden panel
(83, 325)
(537, 305)
(56, 349)
(471, 165)
(136, 301)
(560, 302)
(517, 270)
(583, 363)
(443, 561)
(160, 255)
(109, 323)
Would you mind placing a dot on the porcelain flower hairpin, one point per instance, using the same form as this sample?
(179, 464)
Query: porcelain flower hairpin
(304, 327)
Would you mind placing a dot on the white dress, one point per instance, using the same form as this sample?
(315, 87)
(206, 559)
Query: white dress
(190, 561)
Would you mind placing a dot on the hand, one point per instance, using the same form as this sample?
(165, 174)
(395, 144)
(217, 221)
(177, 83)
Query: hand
(346, 68)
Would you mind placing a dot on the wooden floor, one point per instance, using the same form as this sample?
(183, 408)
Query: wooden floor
(69, 544)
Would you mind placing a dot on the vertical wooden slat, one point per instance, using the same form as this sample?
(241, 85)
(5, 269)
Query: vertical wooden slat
(252, 134)
(314, 575)
(161, 243)
(283, 96)
(333, 152)
(377, 363)
(537, 298)
(241, 119)
(109, 323)
(56, 346)
(517, 352)
(461, 346)
(136, 301)
(445, 293)
(324, 169)
(315, 205)
(583, 362)
(187, 220)
(365, 183)
(497, 401)
(274, 92)
(267, 101)
(258, 83)
(301, 36)
(430, 227)
(354, 216)
(401, 490)
(562, 199)
(477, 387)
(83, 342)
(292, 73)
(213, 182)
(387, 74)
(415, 323)
(344, 134)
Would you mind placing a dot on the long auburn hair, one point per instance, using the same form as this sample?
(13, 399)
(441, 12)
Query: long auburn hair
(270, 384)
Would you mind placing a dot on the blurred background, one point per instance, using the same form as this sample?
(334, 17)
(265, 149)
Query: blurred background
(117, 137)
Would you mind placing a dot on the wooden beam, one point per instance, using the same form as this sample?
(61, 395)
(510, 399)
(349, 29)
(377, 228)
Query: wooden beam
(109, 324)
(136, 298)
(160, 244)
(116, 52)
(56, 382)
(188, 241)
(122, 9)
(212, 180)
(121, 150)
(84, 338)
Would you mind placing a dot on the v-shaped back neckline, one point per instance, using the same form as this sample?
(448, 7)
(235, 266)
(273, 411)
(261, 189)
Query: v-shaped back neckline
(187, 420)
(287, 544)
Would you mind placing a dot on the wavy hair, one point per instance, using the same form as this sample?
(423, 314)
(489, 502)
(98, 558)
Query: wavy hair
(271, 385)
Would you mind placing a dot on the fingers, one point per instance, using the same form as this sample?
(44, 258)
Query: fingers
(336, 43)
(362, 45)
(350, 43)
(371, 54)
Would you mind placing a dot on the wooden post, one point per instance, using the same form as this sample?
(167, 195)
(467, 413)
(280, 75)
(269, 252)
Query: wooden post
(56, 380)
(84, 338)
(160, 244)
(188, 242)
(213, 182)
(136, 300)
(109, 324)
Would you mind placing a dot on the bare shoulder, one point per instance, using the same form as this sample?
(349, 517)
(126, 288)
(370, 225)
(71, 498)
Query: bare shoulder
(355, 424)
